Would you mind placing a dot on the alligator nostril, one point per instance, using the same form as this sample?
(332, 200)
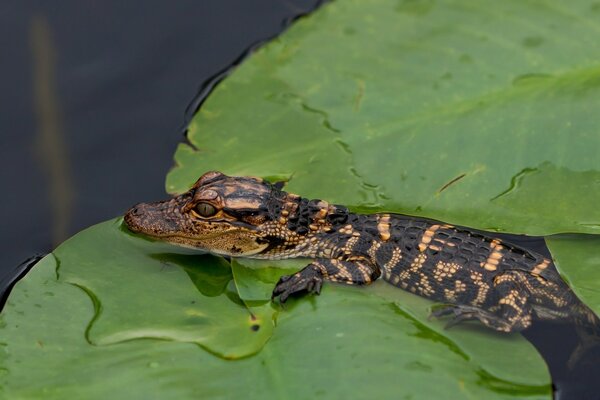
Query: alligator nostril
(131, 218)
(131, 214)
(135, 211)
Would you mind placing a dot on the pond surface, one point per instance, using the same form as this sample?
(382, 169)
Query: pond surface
(97, 105)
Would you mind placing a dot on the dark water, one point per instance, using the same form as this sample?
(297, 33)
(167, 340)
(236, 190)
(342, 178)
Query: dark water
(93, 103)
(573, 377)
(94, 100)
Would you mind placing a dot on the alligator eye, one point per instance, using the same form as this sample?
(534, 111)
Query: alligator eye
(206, 210)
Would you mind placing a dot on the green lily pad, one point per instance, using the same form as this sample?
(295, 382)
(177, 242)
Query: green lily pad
(123, 274)
(454, 110)
(255, 282)
(495, 353)
(346, 343)
(578, 260)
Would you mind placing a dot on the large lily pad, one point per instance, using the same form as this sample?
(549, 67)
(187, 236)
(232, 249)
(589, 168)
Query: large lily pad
(111, 317)
(477, 113)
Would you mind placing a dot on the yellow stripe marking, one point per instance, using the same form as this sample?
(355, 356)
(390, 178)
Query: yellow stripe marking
(394, 259)
(491, 264)
(383, 226)
(321, 213)
(540, 267)
(372, 252)
(427, 237)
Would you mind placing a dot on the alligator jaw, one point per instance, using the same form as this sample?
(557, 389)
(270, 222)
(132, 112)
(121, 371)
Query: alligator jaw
(152, 219)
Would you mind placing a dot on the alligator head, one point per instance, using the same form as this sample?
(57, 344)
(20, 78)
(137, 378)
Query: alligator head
(219, 214)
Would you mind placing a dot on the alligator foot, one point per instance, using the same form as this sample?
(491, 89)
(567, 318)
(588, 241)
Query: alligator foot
(309, 279)
(462, 313)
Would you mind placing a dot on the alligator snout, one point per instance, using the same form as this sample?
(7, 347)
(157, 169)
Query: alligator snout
(154, 219)
(133, 218)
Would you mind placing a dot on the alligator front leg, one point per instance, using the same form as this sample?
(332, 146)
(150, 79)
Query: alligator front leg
(310, 278)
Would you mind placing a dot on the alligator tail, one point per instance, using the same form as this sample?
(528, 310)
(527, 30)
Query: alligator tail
(587, 326)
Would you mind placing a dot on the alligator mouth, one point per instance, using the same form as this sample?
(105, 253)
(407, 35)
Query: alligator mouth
(149, 220)
(189, 237)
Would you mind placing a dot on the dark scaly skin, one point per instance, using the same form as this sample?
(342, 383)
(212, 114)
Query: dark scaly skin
(476, 276)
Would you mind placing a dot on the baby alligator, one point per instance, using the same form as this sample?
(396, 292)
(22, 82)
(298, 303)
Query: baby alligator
(476, 276)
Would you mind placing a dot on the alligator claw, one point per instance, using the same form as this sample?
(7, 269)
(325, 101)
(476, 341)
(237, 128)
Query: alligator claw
(442, 310)
(459, 314)
(307, 280)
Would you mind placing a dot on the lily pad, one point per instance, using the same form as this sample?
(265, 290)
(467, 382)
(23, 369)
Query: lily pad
(454, 110)
(62, 335)
(495, 353)
(578, 260)
(124, 273)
